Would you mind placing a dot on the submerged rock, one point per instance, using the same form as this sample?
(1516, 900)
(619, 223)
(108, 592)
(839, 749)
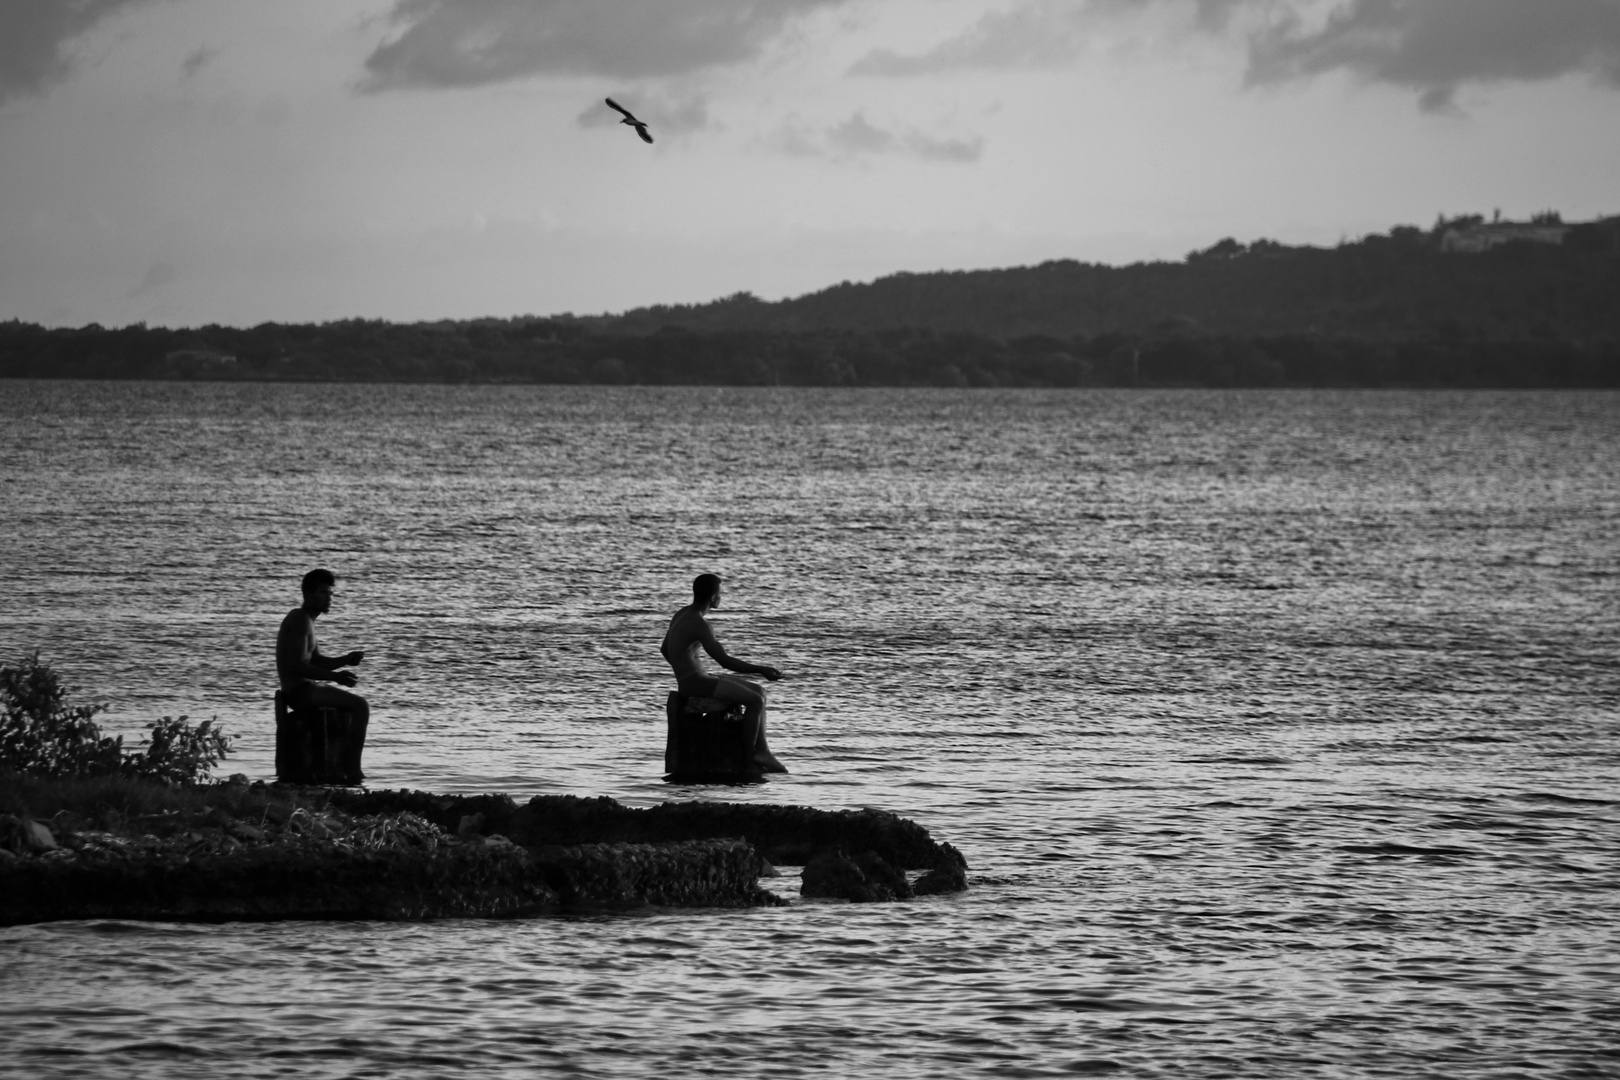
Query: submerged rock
(864, 878)
(692, 873)
(949, 876)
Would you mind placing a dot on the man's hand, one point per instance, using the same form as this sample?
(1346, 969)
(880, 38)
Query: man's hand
(771, 673)
(352, 659)
(347, 678)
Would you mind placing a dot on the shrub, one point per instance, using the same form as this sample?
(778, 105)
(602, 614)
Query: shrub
(42, 735)
(177, 753)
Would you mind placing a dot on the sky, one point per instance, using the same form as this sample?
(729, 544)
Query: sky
(185, 162)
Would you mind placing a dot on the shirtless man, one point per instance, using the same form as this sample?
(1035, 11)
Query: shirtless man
(305, 673)
(689, 631)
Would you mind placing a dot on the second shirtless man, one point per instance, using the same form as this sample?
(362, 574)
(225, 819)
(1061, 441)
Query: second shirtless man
(688, 632)
(305, 673)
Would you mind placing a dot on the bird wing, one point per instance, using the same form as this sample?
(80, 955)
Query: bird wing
(641, 129)
(615, 105)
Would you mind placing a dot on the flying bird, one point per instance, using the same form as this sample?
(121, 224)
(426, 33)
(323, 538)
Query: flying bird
(629, 118)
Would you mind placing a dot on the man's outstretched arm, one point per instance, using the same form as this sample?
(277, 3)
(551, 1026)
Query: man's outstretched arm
(331, 667)
(292, 640)
(330, 663)
(712, 646)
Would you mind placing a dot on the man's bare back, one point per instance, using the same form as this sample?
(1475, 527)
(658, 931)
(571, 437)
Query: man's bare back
(688, 637)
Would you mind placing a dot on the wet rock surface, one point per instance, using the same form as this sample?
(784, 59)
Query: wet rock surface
(784, 835)
(864, 878)
(692, 873)
(318, 853)
(272, 882)
(948, 876)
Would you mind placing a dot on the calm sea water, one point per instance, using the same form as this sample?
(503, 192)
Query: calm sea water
(1279, 728)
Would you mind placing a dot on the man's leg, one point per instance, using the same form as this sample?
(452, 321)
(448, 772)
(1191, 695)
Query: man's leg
(326, 696)
(751, 696)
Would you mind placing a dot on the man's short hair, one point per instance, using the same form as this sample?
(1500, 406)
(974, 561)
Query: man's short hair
(316, 578)
(704, 586)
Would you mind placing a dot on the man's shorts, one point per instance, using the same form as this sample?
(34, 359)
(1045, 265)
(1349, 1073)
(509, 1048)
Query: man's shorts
(297, 698)
(746, 685)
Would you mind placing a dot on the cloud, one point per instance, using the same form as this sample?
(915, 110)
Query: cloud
(196, 61)
(1434, 46)
(1429, 46)
(156, 277)
(1039, 35)
(450, 43)
(858, 137)
(678, 116)
(36, 38)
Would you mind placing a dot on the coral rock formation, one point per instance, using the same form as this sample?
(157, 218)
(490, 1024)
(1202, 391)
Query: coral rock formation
(320, 853)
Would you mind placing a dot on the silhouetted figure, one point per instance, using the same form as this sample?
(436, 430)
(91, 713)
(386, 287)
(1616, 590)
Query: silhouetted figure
(305, 673)
(629, 118)
(688, 632)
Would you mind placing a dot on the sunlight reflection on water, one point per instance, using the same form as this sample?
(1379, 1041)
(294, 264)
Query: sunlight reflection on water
(1278, 727)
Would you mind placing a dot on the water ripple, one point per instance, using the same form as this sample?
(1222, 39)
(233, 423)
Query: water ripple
(1278, 728)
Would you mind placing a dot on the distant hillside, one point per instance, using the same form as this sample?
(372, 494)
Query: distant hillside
(1465, 304)
(1402, 286)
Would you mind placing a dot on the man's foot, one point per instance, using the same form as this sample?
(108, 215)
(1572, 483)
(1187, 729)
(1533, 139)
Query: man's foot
(767, 763)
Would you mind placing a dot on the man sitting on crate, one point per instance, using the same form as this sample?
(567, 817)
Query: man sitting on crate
(689, 631)
(305, 673)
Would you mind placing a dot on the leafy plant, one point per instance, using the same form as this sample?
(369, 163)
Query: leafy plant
(42, 735)
(177, 753)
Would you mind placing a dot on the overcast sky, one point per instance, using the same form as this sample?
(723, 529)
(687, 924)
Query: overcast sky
(236, 161)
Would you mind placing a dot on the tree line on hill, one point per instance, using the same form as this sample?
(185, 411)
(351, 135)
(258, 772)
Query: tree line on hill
(563, 351)
(1389, 310)
(1396, 287)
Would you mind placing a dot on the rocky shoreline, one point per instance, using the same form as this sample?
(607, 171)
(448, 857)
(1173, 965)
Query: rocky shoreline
(259, 852)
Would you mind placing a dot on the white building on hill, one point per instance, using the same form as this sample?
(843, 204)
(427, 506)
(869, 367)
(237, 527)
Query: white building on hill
(1473, 239)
